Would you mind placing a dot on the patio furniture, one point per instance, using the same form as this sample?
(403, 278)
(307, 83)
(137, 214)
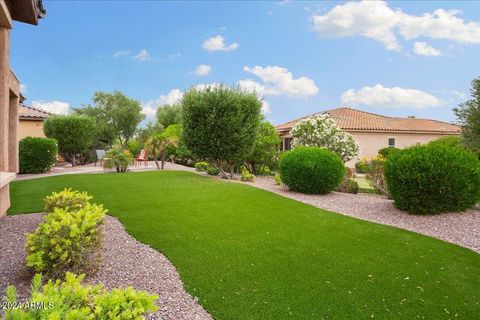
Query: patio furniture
(100, 154)
(142, 157)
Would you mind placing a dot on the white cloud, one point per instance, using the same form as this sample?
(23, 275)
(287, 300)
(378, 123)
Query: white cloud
(23, 88)
(423, 49)
(376, 20)
(217, 43)
(266, 107)
(150, 107)
(278, 81)
(121, 53)
(202, 70)
(174, 56)
(57, 107)
(142, 56)
(395, 97)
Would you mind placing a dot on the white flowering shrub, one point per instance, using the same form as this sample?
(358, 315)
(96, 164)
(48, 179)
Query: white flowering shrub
(322, 131)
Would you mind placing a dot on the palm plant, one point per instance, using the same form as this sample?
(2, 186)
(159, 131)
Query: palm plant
(118, 158)
(157, 146)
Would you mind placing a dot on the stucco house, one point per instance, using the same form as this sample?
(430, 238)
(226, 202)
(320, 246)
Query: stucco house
(31, 122)
(373, 131)
(27, 11)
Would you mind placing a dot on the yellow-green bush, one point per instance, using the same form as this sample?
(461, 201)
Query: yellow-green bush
(67, 199)
(201, 166)
(247, 176)
(75, 301)
(66, 241)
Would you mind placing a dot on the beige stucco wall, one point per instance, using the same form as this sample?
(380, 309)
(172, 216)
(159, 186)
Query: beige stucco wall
(30, 128)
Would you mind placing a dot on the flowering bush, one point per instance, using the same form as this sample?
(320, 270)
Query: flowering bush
(322, 131)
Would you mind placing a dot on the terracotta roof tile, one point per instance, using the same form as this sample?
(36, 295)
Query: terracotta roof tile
(30, 113)
(352, 119)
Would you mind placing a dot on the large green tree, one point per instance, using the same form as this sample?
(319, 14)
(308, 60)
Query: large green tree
(265, 148)
(117, 116)
(169, 114)
(220, 124)
(468, 114)
(75, 134)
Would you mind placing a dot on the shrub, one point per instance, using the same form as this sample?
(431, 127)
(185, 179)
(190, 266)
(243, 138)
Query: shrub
(213, 171)
(118, 159)
(201, 166)
(386, 152)
(362, 166)
(376, 176)
(348, 186)
(71, 299)
(311, 170)
(37, 155)
(322, 131)
(247, 177)
(450, 141)
(278, 180)
(426, 179)
(66, 241)
(67, 200)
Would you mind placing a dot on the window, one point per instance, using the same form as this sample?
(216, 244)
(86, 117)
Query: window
(287, 143)
(391, 142)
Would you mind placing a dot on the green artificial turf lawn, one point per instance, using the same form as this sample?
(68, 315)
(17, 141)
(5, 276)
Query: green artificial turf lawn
(250, 254)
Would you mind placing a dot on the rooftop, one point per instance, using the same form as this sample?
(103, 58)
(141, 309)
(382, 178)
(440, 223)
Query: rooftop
(31, 113)
(357, 120)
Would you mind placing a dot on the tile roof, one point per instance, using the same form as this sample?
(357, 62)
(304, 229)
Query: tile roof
(30, 113)
(357, 120)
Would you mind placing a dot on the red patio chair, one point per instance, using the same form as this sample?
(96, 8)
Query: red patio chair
(142, 157)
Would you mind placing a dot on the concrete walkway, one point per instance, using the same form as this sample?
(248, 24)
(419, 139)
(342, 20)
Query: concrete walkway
(59, 170)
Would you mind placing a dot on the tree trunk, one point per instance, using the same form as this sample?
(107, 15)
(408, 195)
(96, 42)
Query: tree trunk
(156, 162)
(232, 170)
(163, 160)
(73, 160)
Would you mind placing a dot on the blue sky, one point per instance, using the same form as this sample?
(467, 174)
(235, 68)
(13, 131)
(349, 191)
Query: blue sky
(396, 58)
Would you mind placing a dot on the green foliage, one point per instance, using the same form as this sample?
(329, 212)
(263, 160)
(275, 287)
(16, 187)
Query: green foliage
(468, 114)
(348, 186)
(322, 131)
(247, 176)
(220, 123)
(311, 170)
(168, 115)
(277, 179)
(135, 147)
(67, 200)
(66, 241)
(201, 166)
(265, 149)
(449, 141)
(430, 179)
(118, 159)
(74, 134)
(362, 166)
(386, 152)
(376, 175)
(73, 300)
(212, 170)
(116, 115)
(158, 144)
(37, 155)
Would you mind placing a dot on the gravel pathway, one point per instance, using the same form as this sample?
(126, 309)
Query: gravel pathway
(459, 228)
(126, 262)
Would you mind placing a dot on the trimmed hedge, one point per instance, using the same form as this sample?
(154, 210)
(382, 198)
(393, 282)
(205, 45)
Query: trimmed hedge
(37, 155)
(311, 170)
(431, 179)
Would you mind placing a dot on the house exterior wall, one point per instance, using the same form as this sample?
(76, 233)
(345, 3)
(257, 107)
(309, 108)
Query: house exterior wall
(30, 128)
(371, 142)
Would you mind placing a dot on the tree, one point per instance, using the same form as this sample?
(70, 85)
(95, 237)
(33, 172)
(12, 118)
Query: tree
(117, 116)
(74, 134)
(322, 131)
(169, 114)
(158, 143)
(220, 124)
(265, 148)
(468, 114)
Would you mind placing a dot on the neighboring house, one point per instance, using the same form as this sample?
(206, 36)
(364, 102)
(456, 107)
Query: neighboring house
(28, 11)
(373, 131)
(31, 122)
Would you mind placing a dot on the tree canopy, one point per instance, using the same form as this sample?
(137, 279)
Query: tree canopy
(468, 114)
(220, 123)
(265, 148)
(169, 114)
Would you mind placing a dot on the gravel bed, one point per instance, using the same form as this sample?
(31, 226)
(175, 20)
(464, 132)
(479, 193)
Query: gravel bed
(126, 262)
(459, 228)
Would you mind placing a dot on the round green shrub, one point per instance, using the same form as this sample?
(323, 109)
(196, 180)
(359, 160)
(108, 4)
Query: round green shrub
(431, 179)
(37, 155)
(213, 171)
(386, 152)
(362, 166)
(311, 170)
(201, 166)
(348, 186)
(450, 141)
